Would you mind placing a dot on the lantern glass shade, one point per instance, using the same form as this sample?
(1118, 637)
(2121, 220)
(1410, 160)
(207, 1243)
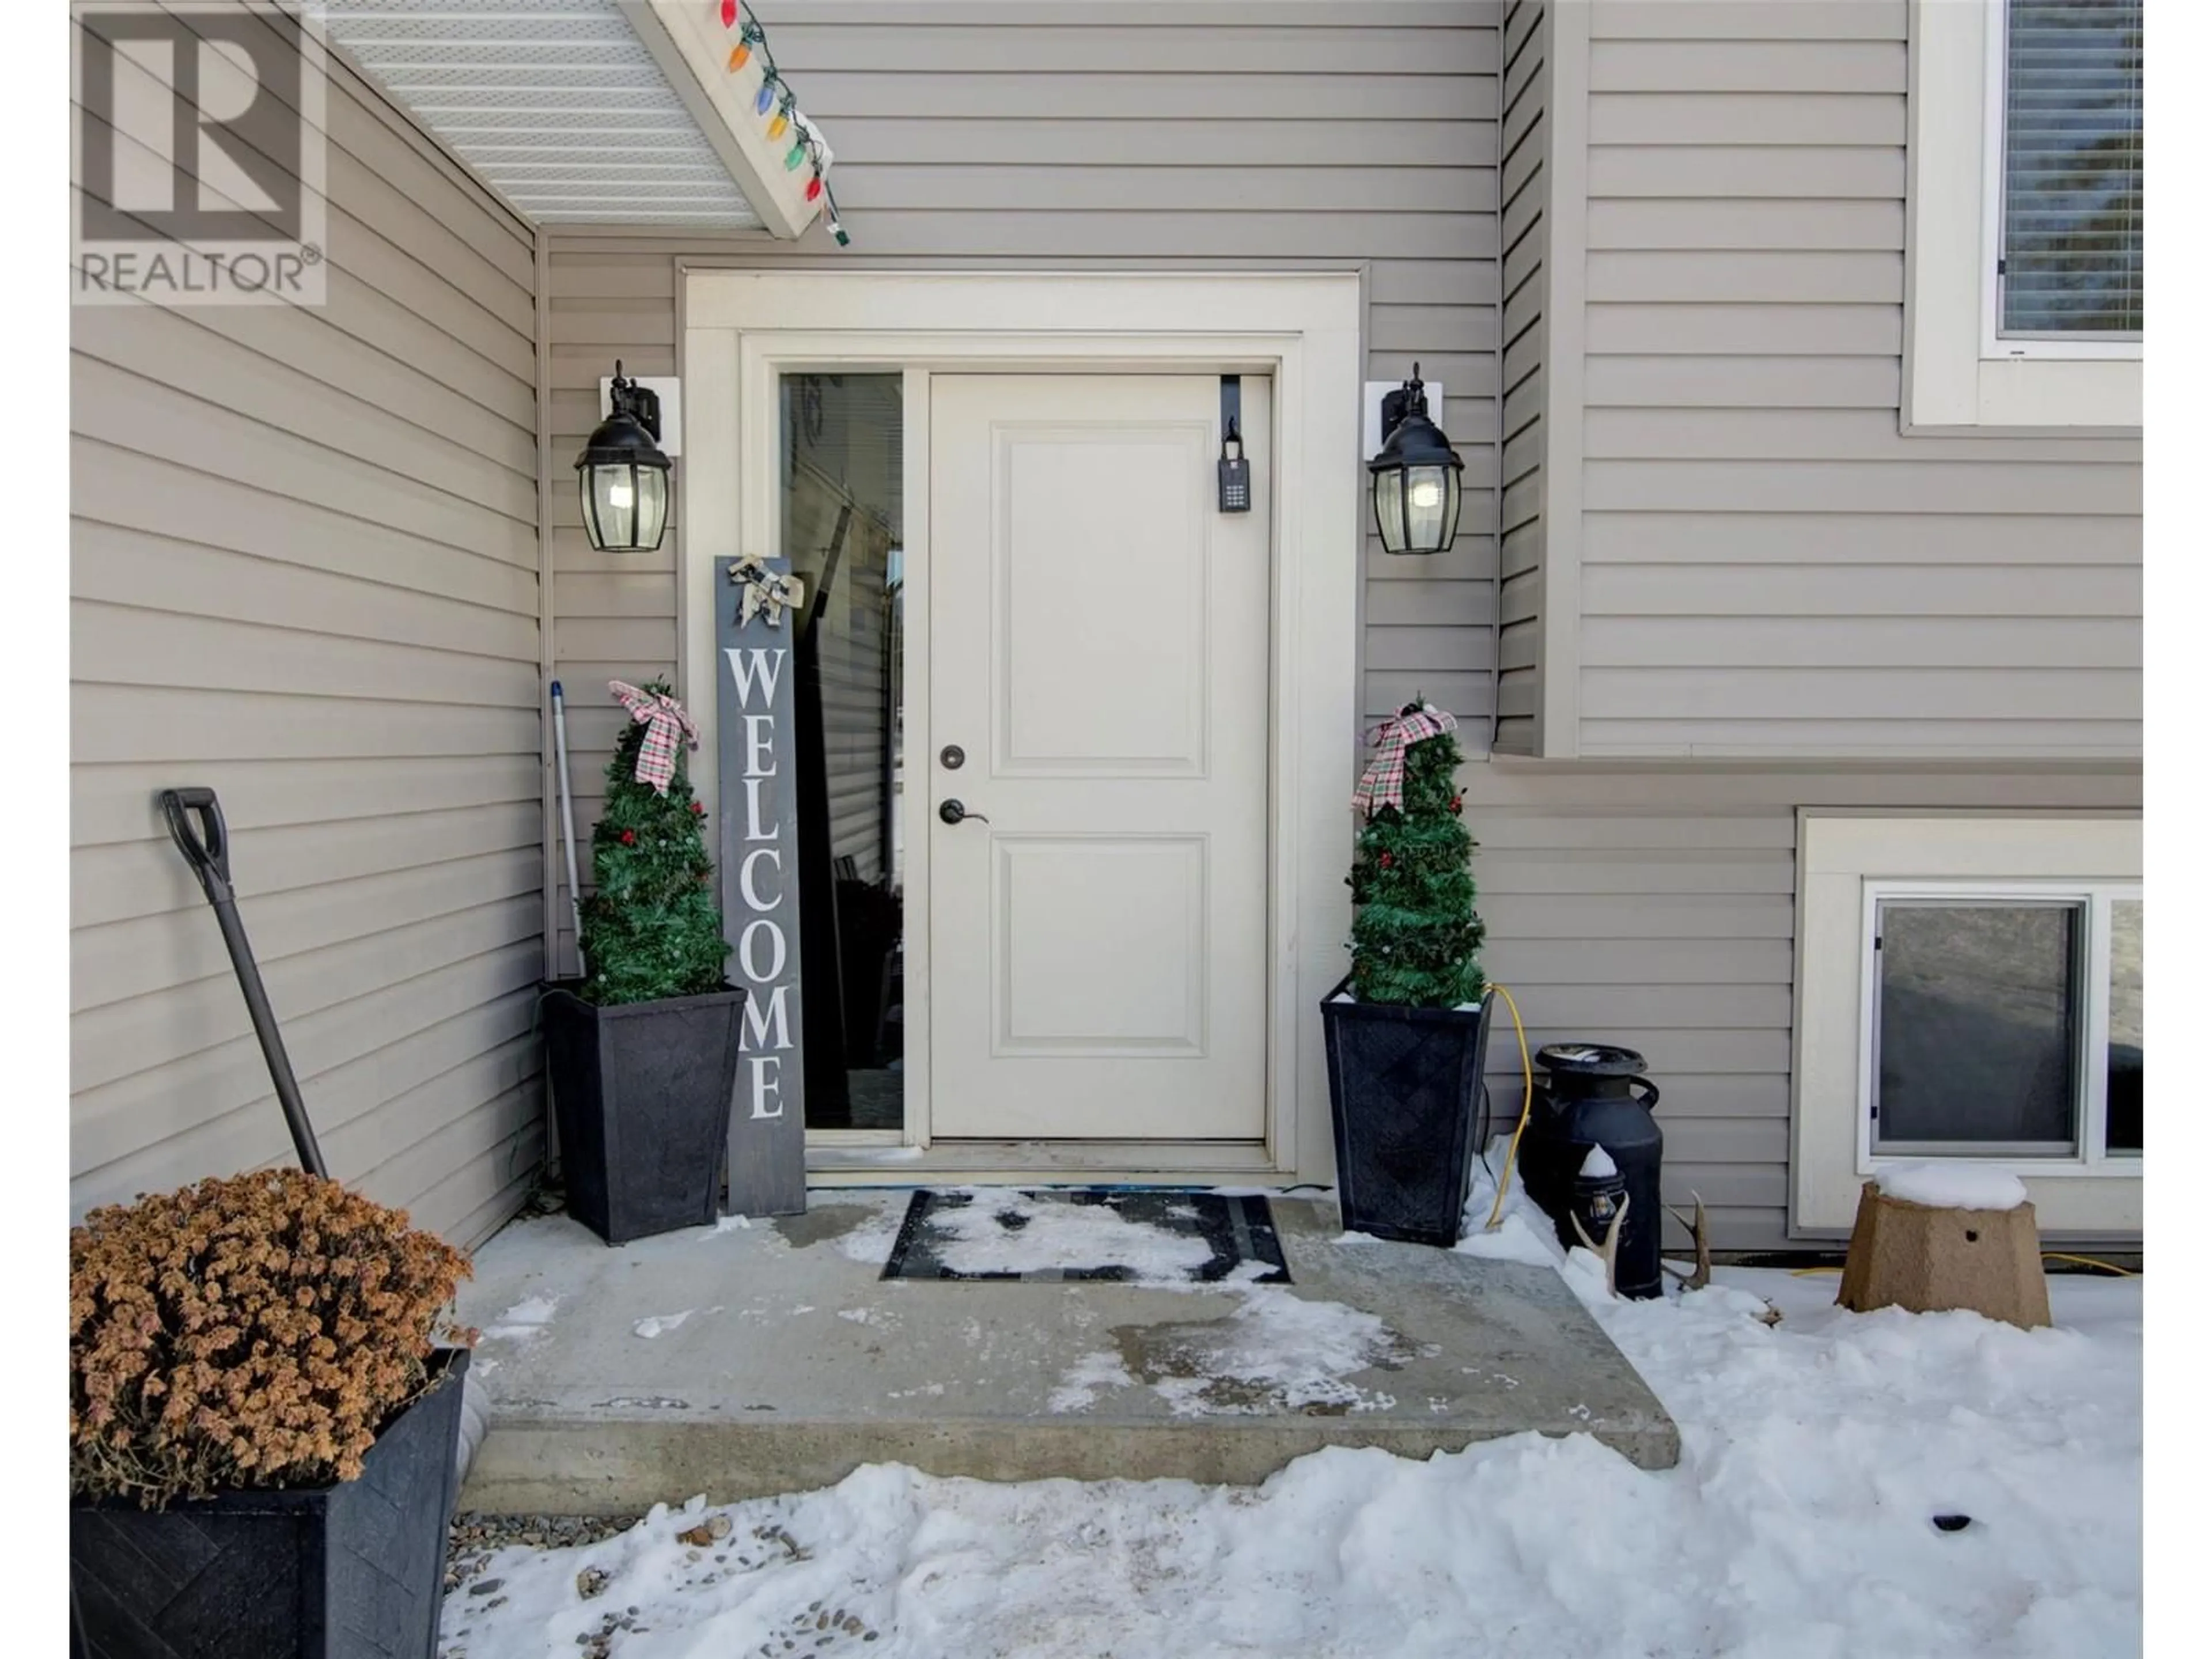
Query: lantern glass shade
(1416, 509)
(622, 476)
(1414, 481)
(625, 505)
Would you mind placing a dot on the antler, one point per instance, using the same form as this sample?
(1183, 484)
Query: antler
(1703, 1274)
(1611, 1248)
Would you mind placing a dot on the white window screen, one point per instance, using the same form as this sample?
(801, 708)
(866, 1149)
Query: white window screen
(2071, 261)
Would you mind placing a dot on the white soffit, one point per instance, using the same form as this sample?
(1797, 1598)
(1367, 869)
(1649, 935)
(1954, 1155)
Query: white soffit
(556, 104)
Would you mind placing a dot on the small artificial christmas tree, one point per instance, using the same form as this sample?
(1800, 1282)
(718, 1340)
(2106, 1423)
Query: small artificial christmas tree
(1415, 933)
(652, 928)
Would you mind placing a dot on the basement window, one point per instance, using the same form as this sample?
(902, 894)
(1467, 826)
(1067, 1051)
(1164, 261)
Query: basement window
(1970, 986)
(2005, 1023)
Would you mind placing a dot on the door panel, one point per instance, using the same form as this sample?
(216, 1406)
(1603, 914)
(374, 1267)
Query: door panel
(1099, 648)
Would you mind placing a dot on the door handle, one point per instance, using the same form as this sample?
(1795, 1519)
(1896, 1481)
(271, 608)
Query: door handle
(952, 811)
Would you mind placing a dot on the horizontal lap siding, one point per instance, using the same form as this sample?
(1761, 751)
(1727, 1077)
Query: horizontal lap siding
(1768, 567)
(303, 571)
(1656, 909)
(1524, 188)
(1067, 136)
(613, 614)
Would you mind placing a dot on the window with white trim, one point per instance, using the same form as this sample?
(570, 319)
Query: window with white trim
(1970, 986)
(2003, 1021)
(2024, 271)
(2067, 196)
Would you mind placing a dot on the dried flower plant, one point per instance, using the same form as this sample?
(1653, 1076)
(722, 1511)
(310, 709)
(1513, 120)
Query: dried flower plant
(257, 1330)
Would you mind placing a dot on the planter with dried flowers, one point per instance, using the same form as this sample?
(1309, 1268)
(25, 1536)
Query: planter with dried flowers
(265, 1418)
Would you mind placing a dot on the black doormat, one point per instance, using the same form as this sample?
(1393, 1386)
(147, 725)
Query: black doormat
(1089, 1233)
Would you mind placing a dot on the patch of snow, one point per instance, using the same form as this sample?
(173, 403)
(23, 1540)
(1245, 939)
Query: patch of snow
(1599, 1165)
(872, 1241)
(654, 1324)
(1524, 1232)
(857, 1316)
(731, 1224)
(1052, 1233)
(1080, 1386)
(525, 1320)
(1949, 1186)
(1279, 1352)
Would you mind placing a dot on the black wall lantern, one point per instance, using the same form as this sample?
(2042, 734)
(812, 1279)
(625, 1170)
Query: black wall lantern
(622, 476)
(1416, 476)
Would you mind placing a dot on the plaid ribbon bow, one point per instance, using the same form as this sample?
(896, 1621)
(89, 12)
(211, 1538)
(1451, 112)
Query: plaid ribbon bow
(763, 592)
(1383, 783)
(665, 723)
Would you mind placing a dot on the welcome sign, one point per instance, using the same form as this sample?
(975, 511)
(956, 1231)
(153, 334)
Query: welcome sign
(757, 666)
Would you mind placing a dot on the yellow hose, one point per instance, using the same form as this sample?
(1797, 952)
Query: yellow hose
(2092, 1261)
(1527, 1099)
(2048, 1256)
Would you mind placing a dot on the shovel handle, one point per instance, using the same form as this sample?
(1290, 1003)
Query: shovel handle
(206, 849)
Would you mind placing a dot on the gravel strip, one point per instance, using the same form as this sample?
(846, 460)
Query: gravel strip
(475, 1536)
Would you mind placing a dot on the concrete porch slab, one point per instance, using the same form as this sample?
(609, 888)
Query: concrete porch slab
(768, 1357)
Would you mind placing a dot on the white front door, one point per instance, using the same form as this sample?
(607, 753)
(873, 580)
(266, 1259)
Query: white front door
(1099, 655)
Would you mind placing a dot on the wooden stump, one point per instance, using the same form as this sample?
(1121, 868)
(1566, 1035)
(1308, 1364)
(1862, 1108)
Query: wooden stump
(1927, 1260)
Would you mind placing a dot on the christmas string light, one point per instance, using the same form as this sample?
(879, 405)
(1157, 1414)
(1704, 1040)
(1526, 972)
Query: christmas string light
(776, 94)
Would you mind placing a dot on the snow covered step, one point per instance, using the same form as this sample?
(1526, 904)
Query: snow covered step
(780, 1361)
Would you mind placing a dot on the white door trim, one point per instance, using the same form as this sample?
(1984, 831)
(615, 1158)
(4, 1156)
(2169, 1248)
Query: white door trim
(744, 328)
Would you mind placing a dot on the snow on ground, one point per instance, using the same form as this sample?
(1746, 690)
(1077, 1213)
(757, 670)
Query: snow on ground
(1799, 1525)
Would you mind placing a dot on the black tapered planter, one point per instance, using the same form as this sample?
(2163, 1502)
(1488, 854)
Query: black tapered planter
(642, 1095)
(1404, 1086)
(353, 1571)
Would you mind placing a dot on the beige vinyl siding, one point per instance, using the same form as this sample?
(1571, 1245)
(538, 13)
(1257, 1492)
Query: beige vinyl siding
(1045, 134)
(1767, 566)
(1525, 190)
(1655, 907)
(304, 568)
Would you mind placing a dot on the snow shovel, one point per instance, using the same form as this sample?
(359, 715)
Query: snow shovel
(208, 851)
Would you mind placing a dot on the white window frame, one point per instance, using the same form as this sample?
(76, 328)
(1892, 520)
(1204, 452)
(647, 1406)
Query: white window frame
(1958, 373)
(1845, 862)
(2091, 1057)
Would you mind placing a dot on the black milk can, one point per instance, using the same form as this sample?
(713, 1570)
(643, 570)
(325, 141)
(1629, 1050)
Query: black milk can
(1591, 1094)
